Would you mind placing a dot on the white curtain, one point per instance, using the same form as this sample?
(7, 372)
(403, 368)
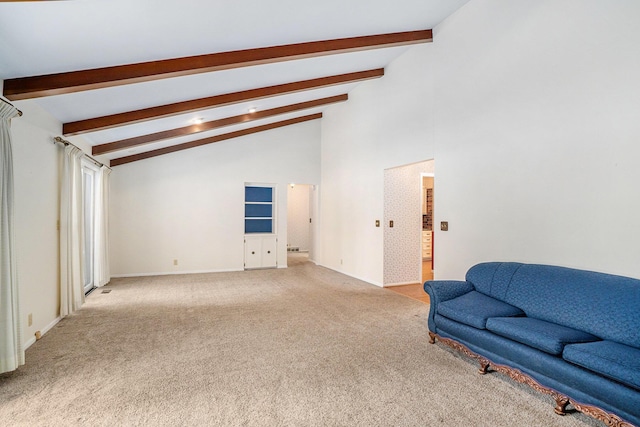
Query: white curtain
(71, 233)
(11, 347)
(103, 275)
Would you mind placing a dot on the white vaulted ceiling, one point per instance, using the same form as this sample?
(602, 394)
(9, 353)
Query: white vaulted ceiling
(45, 37)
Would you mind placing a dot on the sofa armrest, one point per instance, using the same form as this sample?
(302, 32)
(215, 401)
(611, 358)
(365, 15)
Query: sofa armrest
(443, 290)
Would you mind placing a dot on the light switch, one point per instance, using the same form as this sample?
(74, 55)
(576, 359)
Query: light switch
(377, 223)
(391, 224)
(444, 225)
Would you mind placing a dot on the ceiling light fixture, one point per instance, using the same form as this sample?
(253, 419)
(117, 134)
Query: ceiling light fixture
(198, 120)
(252, 110)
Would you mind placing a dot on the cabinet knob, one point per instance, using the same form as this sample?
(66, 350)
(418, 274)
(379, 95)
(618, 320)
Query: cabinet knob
(268, 252)
(253, 253)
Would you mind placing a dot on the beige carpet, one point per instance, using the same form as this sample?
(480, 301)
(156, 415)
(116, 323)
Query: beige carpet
(304, 346)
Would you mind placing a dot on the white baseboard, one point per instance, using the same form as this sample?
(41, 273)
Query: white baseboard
(351, 275)
(389, 285)
(173, 273)
(46, 329)
(31, 341)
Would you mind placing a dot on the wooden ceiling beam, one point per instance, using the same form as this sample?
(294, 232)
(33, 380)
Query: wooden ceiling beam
(214, 124)
(211, 140)
(98, 78)
(137, 116)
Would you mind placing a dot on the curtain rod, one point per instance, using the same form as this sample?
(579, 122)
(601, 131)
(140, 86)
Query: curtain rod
(64, 142)
(7, 102)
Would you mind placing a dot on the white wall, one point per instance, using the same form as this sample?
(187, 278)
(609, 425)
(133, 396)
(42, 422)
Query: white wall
(530, 110)
(537, 135)
(37, 166)
(36, 184)
(314, 215)
(387, 122)
(189, 205)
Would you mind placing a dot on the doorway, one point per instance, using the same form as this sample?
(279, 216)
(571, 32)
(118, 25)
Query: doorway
(301, 223)
(426, 194)
(403, 223)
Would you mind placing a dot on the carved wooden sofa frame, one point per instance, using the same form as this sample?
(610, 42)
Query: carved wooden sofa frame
(561, 400)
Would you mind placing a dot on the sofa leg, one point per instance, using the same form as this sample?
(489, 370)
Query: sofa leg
(561, 405)
(432, 338)
(484, 367)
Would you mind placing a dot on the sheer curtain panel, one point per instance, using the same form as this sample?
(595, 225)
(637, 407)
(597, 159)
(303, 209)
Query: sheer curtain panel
(102, 240)
(11, 347)
(71, 233)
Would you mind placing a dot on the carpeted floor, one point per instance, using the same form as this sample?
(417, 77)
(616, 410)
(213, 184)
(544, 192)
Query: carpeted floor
(303, 346)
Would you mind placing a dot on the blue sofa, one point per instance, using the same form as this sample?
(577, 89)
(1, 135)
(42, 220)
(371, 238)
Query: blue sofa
(569, 333)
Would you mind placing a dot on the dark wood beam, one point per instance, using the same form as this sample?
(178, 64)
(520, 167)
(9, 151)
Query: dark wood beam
(214, 124)
(107, 122)
(97, 78)
(211, 140)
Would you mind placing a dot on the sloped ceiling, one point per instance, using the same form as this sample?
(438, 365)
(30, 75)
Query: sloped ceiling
(288, 60)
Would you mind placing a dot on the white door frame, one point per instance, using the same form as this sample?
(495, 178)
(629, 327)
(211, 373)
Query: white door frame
(90, 168)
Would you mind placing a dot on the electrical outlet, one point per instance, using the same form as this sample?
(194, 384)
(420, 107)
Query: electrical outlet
(175, 262)
(377, 223)
(444, 225)
(30, 319)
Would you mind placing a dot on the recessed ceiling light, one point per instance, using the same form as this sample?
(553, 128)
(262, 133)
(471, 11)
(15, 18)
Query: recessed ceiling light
(253, 110)
(198, 120)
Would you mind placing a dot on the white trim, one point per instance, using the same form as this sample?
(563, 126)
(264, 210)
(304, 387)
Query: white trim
(380, 285)
(390, 285)
(91, 169)
(46, 329)
(173, 273)
(30, 342)
(273, 203)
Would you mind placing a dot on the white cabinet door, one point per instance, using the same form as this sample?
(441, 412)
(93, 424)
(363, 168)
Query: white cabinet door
(269, 252)
(252, 253)
(260, 251)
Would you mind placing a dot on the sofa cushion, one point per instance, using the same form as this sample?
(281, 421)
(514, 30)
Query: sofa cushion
(545, 336)
(617, 361)
(474, 308)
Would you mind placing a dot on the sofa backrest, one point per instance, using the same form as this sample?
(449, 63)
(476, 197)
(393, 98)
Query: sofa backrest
(604, 305)
(493, 278)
